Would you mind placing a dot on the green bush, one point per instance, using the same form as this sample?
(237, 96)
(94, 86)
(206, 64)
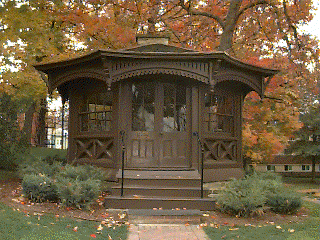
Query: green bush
(249, 196)
(73, 186)
(284, 203)
(242, 197)
(40, 166)
(55, 159)
(78, 193)
(83, 172)
(39, 188)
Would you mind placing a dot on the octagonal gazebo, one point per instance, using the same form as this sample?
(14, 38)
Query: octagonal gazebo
(160, 97)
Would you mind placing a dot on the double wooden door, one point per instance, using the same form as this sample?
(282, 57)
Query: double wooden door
(160, 127)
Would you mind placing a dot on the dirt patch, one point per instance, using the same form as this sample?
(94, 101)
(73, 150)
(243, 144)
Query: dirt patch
(10, 194)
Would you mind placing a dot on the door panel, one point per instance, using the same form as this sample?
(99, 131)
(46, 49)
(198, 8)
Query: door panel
(141, 148)
(173, 138)
(159, 132)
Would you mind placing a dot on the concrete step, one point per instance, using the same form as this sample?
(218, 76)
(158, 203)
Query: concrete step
(162, 191)
(139, 202)
(160, 216)
(160, 178)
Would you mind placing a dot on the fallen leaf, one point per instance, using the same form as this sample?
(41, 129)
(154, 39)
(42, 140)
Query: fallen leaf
(233, 229)
(100, 228)
(291, 230)
(278, 227)
(93, 236)
(75, 229)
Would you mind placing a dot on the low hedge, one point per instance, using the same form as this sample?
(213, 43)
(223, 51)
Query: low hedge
(72, 186)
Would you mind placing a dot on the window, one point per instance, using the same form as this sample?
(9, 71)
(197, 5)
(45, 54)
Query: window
(96, 112)
(288, 167)
(219, 113)
(143, 106)
(271, 168)
(305, 167)
(174, 108)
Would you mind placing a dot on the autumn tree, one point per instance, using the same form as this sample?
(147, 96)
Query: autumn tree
(261, 32)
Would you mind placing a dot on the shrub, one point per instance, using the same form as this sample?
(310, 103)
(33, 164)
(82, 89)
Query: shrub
(40, 166)
(74, 186)
(55, 159)
(83, 172)
(284, 202)
(248, 196)
(78, 193)
(39, 188)
(242, 197)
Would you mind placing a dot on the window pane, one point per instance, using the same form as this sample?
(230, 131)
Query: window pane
(143, 97)
(174, 108)
(218, 114)
(96, 114)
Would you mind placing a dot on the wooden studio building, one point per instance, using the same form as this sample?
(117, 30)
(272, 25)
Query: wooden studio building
(159, 108)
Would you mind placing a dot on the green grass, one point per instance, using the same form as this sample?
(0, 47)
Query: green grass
(306, 230)
(17, 225)
(42, 152)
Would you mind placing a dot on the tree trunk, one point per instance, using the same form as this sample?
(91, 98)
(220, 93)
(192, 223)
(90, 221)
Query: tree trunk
(226, 40)
(28, 122)
(41, 131)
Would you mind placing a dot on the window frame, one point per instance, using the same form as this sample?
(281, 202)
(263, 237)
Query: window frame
(91, 118)
(272, 168)
(305, 167)
(287, 168)
(223, 116)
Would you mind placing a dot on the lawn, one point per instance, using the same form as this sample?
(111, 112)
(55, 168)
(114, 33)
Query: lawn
(16, 224)
(42, 152)
(305, 230)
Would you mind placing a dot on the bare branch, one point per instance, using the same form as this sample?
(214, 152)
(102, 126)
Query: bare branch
(192, 11)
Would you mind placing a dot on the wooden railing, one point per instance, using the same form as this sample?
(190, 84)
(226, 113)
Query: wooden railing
(122, 134)
(201, 145)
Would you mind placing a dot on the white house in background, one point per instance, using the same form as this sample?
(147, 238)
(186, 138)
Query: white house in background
(55, 140)
(289, 165)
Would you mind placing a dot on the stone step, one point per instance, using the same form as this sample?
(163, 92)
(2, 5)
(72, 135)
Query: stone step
(137, 202)
(162, 191)
(160, 178)
(160, 216)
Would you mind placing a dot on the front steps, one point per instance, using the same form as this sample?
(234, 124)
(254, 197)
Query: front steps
(159, 190)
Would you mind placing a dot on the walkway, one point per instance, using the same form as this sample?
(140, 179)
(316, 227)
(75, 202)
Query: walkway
(166, 232)
(165, 225)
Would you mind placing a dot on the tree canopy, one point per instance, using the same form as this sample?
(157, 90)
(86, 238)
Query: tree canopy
(260, 32)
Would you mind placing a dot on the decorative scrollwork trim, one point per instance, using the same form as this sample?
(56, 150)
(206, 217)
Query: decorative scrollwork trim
(78, 74)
